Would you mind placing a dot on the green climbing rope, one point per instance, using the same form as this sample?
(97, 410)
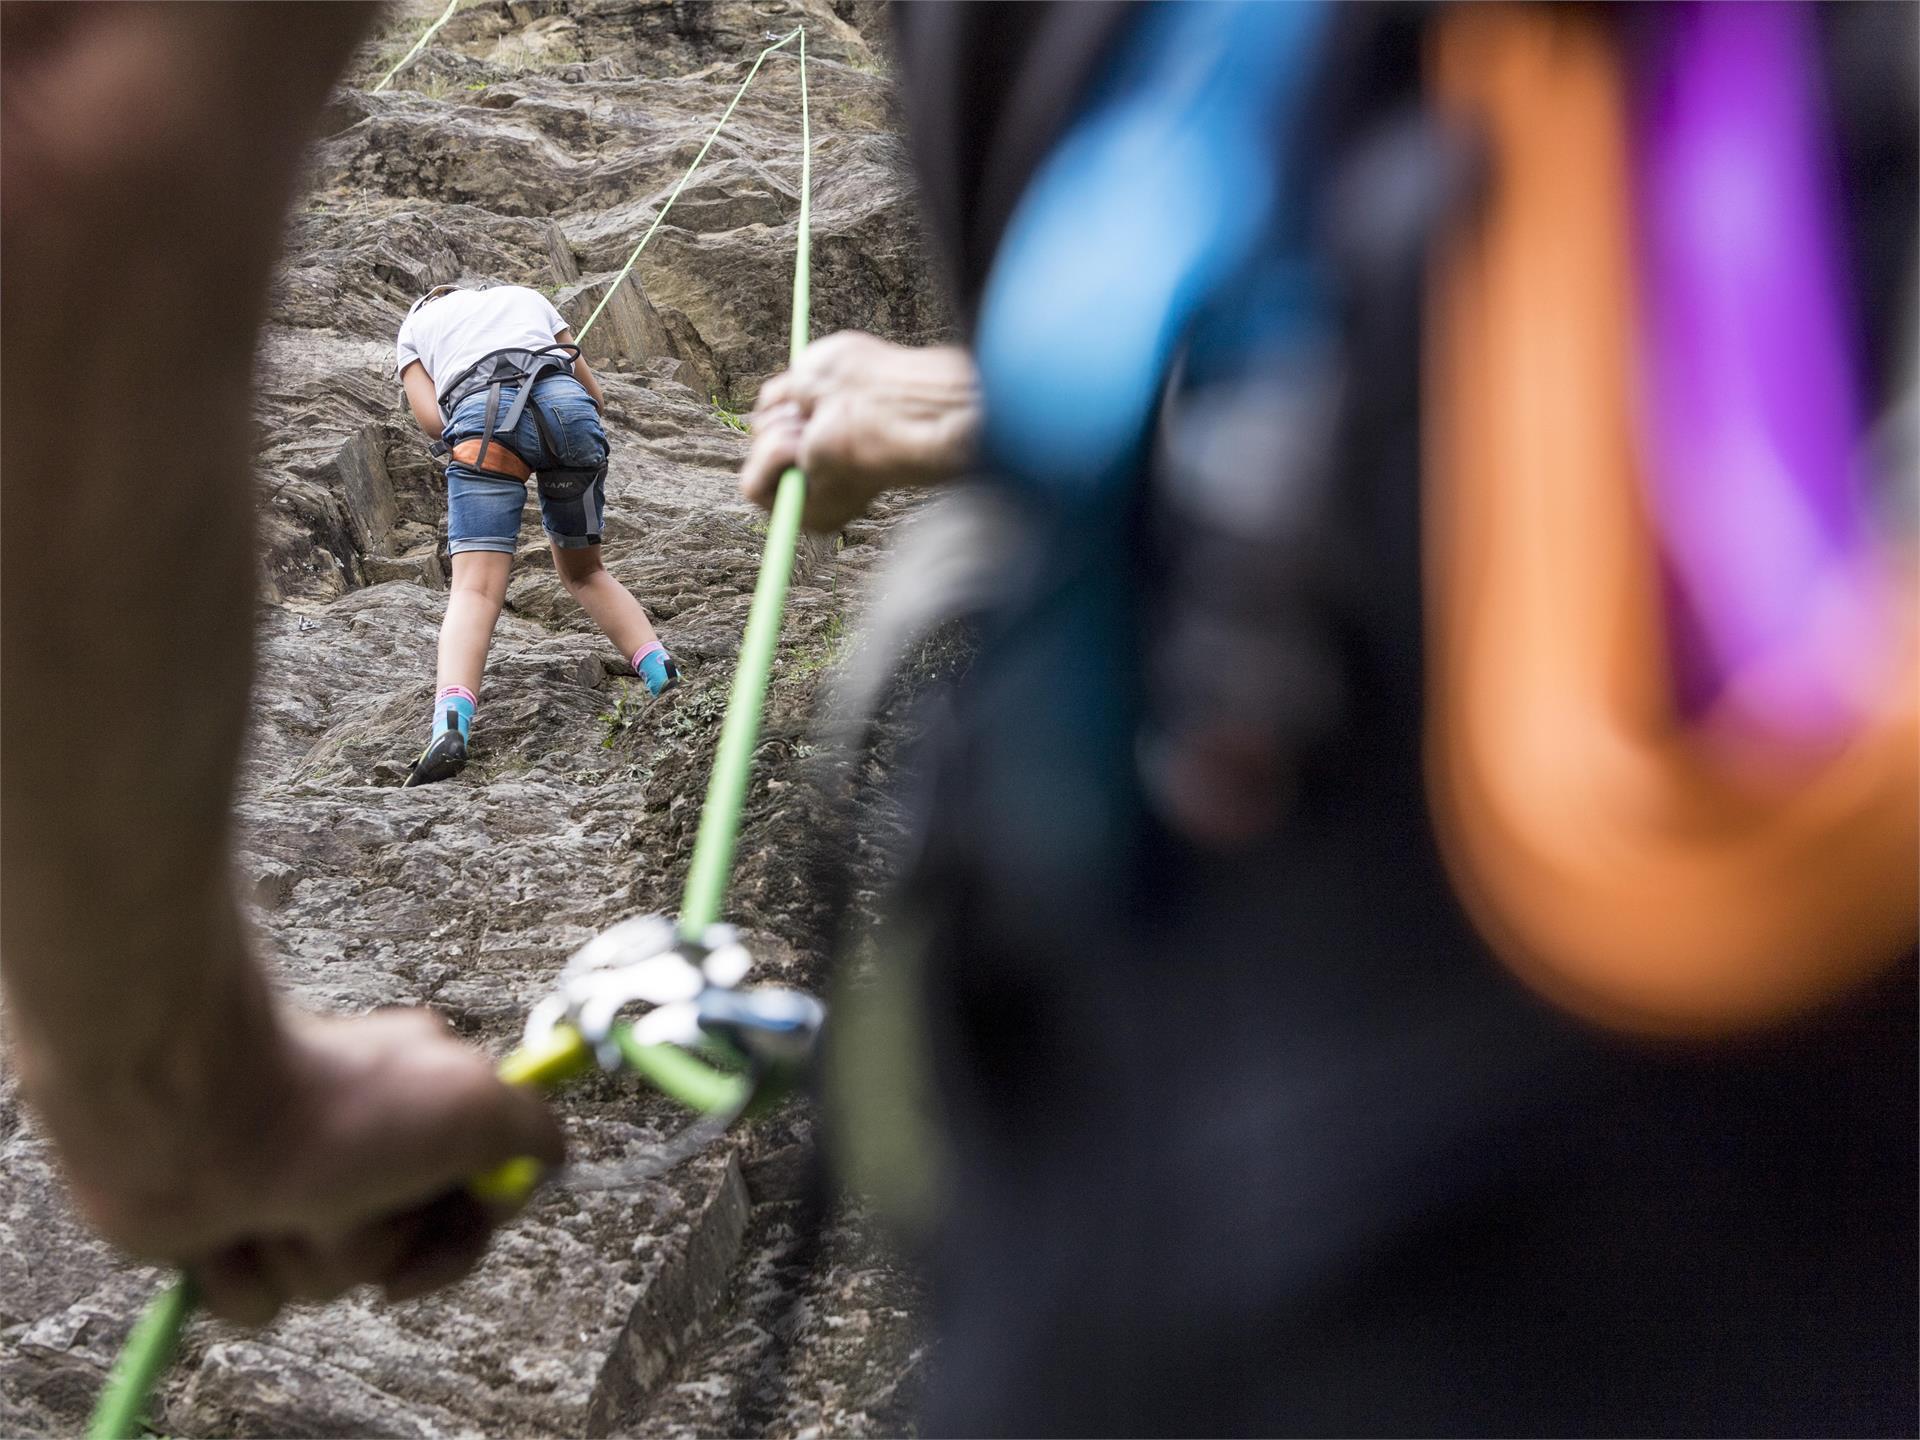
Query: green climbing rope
(142, 1361)
(150, 1347)
(712, 863)
(725, 116)
(418, 45)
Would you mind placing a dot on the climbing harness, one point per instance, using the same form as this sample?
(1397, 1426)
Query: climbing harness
(719, 1050)
(525, 369)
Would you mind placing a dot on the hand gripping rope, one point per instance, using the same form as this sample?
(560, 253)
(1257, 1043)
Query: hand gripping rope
(685, 974)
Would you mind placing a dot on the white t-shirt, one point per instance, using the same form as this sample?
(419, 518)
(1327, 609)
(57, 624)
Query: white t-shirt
(447, 335)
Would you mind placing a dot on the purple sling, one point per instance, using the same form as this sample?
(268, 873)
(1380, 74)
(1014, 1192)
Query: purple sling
(1779, 614)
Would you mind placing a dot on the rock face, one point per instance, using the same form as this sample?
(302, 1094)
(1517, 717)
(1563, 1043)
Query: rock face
(535, 142)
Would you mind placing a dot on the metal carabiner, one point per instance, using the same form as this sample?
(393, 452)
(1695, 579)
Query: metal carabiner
(689, 987)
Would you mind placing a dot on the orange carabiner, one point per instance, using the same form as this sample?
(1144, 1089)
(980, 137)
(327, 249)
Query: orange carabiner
(1600, 846)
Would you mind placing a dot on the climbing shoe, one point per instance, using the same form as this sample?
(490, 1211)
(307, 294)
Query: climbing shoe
(656, 668)
(444, 758)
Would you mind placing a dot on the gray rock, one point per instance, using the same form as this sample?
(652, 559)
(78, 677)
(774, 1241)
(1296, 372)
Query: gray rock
(534, 143)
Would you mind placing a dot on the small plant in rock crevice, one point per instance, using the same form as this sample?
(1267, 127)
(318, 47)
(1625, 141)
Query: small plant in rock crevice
(622, 716)
(732, 419)
(820, 650)
(698, 711)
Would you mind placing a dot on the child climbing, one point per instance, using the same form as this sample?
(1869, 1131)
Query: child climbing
(497, 384)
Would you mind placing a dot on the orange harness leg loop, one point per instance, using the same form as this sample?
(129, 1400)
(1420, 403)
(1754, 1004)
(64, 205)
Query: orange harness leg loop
(502, 462)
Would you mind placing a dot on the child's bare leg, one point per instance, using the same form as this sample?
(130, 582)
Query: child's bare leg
(477, 591)
(610, 603)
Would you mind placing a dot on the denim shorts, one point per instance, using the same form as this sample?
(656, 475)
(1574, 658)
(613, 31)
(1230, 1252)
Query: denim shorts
(484, 513)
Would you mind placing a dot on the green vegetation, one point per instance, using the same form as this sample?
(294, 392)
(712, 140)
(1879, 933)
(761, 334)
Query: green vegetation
(697, 712)
(625, 712)
(732, 419)
(821, 649)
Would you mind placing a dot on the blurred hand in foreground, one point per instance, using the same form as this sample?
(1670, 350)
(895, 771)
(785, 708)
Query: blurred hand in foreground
(861, 415)
(297, 1157)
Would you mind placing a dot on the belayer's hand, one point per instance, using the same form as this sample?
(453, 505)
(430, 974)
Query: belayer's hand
(861, 415)
(338, 1159)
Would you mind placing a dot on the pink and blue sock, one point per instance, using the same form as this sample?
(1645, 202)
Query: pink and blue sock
(454, 706)
(653, 665)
